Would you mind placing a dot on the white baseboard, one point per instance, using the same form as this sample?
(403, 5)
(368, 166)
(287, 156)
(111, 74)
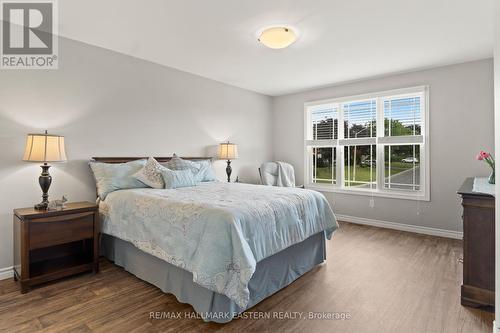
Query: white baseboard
(6, 273)
(401, 227)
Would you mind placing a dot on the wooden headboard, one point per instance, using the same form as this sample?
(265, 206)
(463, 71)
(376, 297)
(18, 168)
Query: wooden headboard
(128, 159)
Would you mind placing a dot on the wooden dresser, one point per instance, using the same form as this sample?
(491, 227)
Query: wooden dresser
(478, 287)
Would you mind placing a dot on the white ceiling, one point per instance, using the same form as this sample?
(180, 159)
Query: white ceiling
(339, 40)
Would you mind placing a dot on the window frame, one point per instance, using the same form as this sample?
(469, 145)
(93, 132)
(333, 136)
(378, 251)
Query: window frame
(379, 140)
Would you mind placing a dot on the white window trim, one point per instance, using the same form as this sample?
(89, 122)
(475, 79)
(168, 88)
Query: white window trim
(423, 195)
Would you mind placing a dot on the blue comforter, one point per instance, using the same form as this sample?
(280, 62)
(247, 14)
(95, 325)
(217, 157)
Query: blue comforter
(217, 231)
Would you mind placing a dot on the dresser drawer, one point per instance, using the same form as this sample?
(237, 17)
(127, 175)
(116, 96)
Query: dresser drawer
(62, 229)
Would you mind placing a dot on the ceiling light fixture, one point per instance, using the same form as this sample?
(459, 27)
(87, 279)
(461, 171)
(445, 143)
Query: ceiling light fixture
(277, 37)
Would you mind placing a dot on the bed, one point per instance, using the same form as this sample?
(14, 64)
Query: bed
(221, 247)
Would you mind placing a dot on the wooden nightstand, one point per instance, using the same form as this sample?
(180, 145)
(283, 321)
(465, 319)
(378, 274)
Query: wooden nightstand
(49, 245)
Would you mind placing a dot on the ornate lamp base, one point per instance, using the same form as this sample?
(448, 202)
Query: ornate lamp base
(44, 180)
(42, 206)
(229, 170)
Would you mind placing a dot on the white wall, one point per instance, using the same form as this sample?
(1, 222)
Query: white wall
(461, 123)
(108, 104)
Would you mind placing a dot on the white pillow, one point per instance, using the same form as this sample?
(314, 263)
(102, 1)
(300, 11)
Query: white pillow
(151, 174)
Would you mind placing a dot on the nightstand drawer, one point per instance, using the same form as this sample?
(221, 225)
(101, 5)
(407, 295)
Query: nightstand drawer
(61, 229)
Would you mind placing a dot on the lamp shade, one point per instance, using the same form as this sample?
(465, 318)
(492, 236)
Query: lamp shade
(227, 151)
(44, 148)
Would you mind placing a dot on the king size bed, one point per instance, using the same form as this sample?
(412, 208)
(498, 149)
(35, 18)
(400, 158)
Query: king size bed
(221, 247)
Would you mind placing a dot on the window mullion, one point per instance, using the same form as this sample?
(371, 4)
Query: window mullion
(340, 149)
(380, 147)
(307, 136)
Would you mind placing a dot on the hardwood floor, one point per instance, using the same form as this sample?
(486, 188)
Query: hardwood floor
(384, 280)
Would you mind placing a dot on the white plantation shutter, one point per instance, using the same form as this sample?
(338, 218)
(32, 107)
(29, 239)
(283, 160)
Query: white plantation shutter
(324, 122)
(403, 112)
(360, 117)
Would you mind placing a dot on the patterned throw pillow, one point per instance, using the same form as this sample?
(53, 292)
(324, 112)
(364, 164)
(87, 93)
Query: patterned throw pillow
(150, 174)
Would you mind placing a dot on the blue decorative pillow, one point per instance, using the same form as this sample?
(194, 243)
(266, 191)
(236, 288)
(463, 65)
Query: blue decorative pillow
(178, 178)
(110, 177)
(206, 172)
(202, 170)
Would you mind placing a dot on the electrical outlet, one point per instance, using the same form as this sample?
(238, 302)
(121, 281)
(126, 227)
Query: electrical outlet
(372, 203)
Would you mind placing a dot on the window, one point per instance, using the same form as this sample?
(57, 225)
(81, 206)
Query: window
(375, 144)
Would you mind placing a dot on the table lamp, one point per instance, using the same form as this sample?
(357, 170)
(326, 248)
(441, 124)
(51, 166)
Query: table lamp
(228, 151)
(44, 148)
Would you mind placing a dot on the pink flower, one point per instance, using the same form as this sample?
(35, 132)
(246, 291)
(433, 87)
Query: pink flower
(484, 154)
